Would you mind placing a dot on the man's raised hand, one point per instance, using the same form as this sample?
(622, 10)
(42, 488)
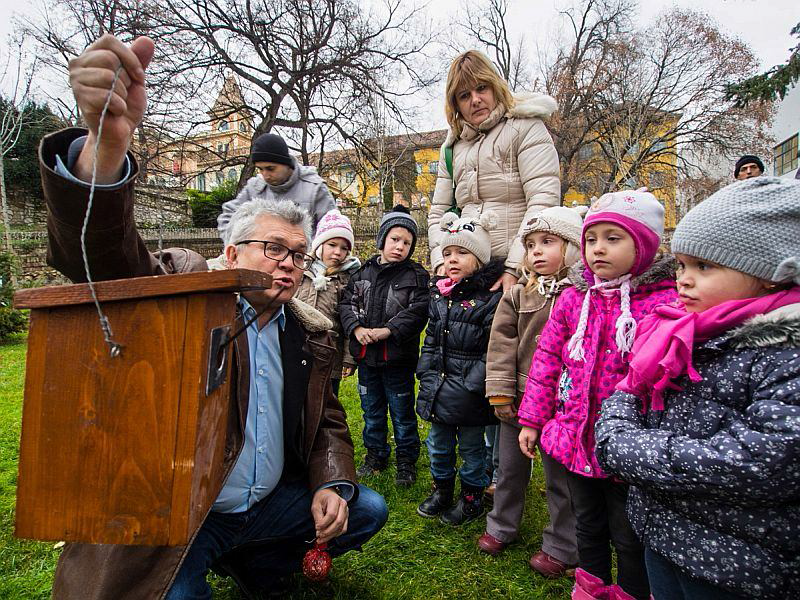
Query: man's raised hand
(91, 75)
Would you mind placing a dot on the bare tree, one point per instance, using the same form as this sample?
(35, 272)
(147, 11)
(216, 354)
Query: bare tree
(17, 77)
(575, 76)
(312, 66)
(665, 106)
(487, 26)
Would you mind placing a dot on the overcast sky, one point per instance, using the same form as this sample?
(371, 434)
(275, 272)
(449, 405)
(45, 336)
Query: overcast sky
(763, 25)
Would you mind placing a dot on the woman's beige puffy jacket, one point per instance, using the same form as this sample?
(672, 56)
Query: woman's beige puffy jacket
(507, 164)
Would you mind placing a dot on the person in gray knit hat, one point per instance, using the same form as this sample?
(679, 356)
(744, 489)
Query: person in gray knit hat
(399, 217)
(752, 226)
(712, 458)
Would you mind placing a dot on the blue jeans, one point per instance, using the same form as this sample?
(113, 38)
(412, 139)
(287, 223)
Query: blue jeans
(441, 444)
(280, 529)
(668, 582)
(392, 388)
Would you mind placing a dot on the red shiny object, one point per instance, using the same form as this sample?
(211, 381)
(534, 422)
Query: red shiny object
(317, 563)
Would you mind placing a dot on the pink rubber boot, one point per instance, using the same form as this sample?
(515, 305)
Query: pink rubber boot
(590, 587)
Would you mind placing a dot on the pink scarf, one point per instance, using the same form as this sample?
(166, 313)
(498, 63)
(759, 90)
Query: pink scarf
(663, 347)
(446, 285)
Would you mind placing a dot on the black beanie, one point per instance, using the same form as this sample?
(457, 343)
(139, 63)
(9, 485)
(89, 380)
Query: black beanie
(269, 147)
(399, 217)
(746, 160)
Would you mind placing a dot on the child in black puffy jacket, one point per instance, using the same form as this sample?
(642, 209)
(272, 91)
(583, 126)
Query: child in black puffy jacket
(452, 368)
(383, 311)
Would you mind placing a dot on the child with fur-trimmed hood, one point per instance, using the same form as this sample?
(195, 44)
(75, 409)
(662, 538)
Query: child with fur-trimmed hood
(452, 367)
(706, 426)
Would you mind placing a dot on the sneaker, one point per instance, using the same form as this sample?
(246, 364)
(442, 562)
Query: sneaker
(372, 466)
(440, 499)
(406, 474)
(468, 508)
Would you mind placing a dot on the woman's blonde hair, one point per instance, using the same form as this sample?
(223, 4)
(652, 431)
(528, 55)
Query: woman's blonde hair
(466, 72)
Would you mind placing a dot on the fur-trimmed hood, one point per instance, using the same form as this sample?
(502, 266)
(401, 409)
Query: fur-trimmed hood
(779, 328)
(482, 279)
(663, 267)
(310, 318)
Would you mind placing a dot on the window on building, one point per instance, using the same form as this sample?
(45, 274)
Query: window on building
(201, 182)
(433, 167)
(224, 126)
(220, 177)
(242, 126)
(232, 174)
(785, 156)
(585, 152)
(349, 177)
(657, 181)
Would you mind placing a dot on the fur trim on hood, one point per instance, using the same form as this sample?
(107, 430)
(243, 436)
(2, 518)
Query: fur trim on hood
(779, 328)
(310, 318)
(529, 105)
(663, 267)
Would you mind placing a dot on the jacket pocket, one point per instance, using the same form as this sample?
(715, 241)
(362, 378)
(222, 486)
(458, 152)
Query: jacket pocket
(474, 374)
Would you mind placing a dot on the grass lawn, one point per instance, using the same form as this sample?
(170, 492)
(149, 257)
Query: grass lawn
(410, 558)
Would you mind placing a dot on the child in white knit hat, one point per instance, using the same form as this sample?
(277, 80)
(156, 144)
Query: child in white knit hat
(452, 368)
(582, 354)
(552, 240)
(324, 282)
(706, 426)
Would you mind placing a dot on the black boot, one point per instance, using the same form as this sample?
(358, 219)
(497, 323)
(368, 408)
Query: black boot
(440, 499)
(372, 465)
(406, 473)
(468, 508)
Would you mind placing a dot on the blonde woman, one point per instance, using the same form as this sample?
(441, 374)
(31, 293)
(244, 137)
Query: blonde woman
(503, 159)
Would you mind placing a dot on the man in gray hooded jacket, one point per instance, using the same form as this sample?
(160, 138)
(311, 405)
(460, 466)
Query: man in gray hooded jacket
(279, 177)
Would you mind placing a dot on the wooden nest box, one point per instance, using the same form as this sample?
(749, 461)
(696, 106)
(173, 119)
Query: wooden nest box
(127, 449)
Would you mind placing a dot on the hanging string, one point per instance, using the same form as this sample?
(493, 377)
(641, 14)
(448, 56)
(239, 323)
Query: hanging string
(115, 349)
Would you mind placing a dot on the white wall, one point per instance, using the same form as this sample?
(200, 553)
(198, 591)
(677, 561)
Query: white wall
(787, 122)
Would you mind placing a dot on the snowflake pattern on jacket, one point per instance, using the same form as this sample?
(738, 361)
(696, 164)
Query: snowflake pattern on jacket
(716, 475)
(568, 434)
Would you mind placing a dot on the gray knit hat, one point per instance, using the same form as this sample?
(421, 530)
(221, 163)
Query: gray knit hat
(752, 226)
(469, 233)
(399, 217)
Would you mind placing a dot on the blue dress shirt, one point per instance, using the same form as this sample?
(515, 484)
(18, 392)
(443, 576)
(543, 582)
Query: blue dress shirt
(259, 467)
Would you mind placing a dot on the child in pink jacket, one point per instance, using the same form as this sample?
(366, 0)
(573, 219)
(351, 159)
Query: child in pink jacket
(582, 354)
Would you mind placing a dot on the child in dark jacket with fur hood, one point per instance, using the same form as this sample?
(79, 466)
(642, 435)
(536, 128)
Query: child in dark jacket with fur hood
(706, 426)
(452, 367)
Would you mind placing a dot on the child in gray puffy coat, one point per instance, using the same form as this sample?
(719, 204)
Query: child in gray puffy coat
(706, 426)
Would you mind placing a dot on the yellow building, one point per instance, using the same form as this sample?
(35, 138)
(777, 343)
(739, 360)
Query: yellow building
(206, 159)
(404, 166)
(657, 171)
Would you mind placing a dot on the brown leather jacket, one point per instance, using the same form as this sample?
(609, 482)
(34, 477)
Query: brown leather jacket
(318, 444)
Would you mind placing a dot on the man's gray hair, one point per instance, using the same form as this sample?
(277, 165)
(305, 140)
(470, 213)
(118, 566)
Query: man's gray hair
(243, 222)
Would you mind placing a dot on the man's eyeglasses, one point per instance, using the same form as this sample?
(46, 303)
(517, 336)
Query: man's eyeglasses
(276, 251)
